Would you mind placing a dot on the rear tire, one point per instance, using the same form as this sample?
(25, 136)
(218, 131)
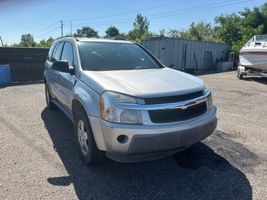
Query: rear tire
(84, 137)
(49, 102)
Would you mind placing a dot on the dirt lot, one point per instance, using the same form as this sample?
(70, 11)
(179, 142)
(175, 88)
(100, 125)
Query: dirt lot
(38, 158)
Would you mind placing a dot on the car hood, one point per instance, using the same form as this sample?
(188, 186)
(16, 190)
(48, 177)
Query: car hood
(143, 83)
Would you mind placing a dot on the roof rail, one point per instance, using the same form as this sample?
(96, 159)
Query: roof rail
(119, 38)
(80, 38)
(67, 36)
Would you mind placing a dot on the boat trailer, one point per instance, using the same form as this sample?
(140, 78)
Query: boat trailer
(245, 71)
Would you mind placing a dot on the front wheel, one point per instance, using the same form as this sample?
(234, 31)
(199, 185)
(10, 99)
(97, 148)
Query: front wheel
(49, 102)
(88, 150)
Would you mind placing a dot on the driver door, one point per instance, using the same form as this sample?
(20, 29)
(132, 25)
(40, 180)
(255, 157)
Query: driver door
(67, 80)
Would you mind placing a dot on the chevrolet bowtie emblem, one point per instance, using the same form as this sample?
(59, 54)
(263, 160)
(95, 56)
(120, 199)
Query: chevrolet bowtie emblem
(183, 107)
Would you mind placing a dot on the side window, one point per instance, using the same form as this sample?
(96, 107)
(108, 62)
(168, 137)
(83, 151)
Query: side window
(54, 51)
(67, 53)
(49, 57)
(57, 51)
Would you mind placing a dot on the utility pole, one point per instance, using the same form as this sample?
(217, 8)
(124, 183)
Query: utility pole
(71, 27)
(1, 41)
(61, 27)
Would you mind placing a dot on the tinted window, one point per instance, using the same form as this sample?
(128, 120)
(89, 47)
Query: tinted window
(261, 37)
(114, 56)
(57, 51)
(67, 53)
(49, 57)
(54, 51)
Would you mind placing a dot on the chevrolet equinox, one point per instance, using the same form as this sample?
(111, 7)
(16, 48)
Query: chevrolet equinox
(124, 103)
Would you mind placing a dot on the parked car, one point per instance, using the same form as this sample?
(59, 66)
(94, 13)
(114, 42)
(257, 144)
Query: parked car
(124, 103)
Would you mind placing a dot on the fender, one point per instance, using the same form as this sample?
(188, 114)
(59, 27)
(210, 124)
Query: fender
(90, 100)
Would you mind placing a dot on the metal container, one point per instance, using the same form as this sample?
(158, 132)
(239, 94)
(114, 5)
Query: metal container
(188, 54)
(5, 76)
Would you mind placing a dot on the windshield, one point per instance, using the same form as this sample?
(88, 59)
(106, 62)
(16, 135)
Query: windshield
(261, 37)
(100, 56)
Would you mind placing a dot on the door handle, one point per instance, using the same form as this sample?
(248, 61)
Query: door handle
(56, 72)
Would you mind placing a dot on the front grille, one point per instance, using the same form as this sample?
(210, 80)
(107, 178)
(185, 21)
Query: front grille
(174, 115)
(172, 99)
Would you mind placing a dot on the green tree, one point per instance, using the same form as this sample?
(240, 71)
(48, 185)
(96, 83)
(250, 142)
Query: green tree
(134, 35)
(27, 40)
(123, 36)
(49, 41)
(112, 31)
(237, 29)
(228, 28)
(174, 33)
(162, 33)
(42, 44)
(197, 31)
(200, 31)
(140, 29)
(253, 22)
(45, 43)
(86, 31)
(263, 10)
(141, 24)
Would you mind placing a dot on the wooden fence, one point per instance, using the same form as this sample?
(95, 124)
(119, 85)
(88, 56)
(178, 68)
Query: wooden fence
(26, 64)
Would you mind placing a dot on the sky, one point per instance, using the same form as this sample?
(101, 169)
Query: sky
(42, 18)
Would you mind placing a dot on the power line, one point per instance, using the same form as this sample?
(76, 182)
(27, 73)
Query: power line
(133, 11)
(50, 31)
(190, 10)
(166, 14)
(45, 28)
(153, 16)
(129, 12)
(159, 14)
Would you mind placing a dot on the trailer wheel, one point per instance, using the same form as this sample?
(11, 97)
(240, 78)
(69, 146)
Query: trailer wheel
(240, 75)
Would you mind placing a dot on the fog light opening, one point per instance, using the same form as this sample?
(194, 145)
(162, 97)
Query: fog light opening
(122, 139)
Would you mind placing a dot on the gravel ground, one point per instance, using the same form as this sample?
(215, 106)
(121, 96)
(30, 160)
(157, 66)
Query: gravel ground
(38, 157)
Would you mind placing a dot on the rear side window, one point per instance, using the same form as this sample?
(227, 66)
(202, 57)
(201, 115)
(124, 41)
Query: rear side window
(67, 53)
(49, 57)
(54, 51)
(57, 51)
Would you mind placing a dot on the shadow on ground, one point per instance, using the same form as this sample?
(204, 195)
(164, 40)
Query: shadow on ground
(22, 83)
(258, 79)
(198, 173)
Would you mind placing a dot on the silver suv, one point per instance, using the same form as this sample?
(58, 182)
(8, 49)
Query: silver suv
(124, 103)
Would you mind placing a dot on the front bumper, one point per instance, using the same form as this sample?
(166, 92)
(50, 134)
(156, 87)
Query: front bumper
(147, 142)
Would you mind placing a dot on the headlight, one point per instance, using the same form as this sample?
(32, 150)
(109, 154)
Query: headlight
(111, 112)
(206, 88)
(206, 91)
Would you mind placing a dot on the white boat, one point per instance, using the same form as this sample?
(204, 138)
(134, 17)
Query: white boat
(254, 54)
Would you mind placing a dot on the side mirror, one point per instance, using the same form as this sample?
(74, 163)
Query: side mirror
(61, 66)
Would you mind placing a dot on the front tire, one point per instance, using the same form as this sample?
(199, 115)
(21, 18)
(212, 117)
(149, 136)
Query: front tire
(49, 102)
(87, 148)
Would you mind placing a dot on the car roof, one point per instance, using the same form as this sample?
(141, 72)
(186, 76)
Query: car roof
(102, 40)
(84, 39)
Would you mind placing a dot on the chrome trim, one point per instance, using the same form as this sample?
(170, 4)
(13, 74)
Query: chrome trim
(176, 105)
